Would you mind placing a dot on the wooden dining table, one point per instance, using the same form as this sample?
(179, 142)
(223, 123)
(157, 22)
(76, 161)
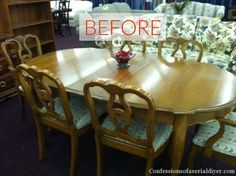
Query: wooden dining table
(184, 92)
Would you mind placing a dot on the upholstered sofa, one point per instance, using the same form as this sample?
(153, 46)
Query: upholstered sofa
(218, 39)
(194, 8)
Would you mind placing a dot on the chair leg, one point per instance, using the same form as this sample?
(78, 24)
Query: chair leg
(74, 154)
(99, 152)
(68, 26)
(22, 106)
(193, 152)
(149, 163)
(41, 140)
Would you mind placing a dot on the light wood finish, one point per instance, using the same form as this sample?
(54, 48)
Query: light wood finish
(184, 92)
(17, 50)
(208, 149)
(124, 43)
(42, 88)
(181, 43)
(118, 110)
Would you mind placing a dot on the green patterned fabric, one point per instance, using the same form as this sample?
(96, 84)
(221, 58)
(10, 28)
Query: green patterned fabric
(215, 36)
(80, 111)
(226, 144)
(138, 130)
(220, 59)
(180, 26)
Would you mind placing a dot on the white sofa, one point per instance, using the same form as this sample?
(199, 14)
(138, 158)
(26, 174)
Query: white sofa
(194, 8)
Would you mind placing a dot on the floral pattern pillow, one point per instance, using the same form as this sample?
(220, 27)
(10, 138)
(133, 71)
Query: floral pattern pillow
(180, 26)
(215, 36)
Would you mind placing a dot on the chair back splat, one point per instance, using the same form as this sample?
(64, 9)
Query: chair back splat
(42, 89)
(123, 128)
(52, 108)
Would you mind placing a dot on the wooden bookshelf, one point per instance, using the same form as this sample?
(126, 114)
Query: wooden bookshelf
(19, 17)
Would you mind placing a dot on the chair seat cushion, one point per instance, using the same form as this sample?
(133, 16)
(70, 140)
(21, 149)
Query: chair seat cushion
(80, 111)
(226, 144)
(138, 130)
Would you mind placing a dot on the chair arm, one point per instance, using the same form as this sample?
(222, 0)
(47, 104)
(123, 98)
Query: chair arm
(223, 122)
(232, 62)
(229, 122)
(212, 140)
(220, 12)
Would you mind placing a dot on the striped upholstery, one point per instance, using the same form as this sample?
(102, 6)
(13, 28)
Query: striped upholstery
(194, 8)
(80, 111)
(226, 144)
(138, 130)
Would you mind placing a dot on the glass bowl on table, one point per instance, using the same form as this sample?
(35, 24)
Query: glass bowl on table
(122, 58)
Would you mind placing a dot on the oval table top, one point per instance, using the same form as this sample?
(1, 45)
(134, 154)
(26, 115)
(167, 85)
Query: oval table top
(181, 87)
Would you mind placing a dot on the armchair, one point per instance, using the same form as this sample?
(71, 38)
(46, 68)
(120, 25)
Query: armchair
(216, 139)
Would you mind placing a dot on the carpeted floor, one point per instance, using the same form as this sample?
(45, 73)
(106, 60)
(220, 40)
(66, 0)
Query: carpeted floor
(19, 151)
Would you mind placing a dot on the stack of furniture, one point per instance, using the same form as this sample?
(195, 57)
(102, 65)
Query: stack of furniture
(22, 17)
(232, 13)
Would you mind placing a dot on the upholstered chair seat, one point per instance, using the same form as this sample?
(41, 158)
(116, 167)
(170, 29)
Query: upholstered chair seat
(55, 108)
(79, 109)
(226, 144)
(126, 128)
(138, 129)
(216, 139)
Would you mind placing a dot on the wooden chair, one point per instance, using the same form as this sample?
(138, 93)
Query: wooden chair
(52, 108)
(124, 43)
(61, 16)
(216, 139)
(120, 129)
(180, 43)
(18, 50)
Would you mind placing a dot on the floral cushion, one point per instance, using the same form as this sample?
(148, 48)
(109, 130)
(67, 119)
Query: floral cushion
(215, 36)
(226, 144)
(232, 63)
(138, 130)
(220, 59)
(180, 26)
(80, 111)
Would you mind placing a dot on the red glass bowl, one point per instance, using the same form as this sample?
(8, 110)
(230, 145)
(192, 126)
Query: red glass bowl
(122, 58)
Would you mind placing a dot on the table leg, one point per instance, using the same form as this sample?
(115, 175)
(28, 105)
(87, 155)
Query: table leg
(178, 141)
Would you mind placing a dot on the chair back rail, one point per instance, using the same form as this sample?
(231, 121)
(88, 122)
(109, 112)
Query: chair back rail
(181, 43)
